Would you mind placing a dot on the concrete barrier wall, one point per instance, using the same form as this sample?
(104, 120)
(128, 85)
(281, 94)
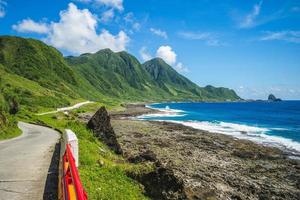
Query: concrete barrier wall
(69, 137)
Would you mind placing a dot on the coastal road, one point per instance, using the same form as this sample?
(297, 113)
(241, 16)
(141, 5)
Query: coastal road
(64, 109)
(24, 162)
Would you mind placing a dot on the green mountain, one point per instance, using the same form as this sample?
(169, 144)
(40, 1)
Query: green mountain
(35, 76)
(121, 75)
(179, 86)
(117, 75)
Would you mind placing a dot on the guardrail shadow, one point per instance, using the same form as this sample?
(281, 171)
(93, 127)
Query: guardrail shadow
(51, 186)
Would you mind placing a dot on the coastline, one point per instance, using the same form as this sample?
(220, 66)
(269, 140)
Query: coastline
(288, 146)
(211, 165)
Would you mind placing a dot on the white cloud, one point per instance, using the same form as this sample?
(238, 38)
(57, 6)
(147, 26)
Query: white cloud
(181, 68)
(195, 36)
(84, 1)
(288, 36)
(30, 26)
(159, 32)
(249, 20)
(76, 33)
(130, 20)
(167, 54)
(2, 8)
(145, 54)
(136, 26)
(210, 39)
(107, 15)
(116, 4)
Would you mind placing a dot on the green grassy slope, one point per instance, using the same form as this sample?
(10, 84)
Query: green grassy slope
(29, 93)
(43, 64)
(34, 60)
(35, 77)
(18, 94)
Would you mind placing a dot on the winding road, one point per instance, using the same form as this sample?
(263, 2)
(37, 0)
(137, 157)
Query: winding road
(25, 161)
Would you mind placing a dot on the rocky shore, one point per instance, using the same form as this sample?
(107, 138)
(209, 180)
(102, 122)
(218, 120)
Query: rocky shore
(211, 166)
(195, 164)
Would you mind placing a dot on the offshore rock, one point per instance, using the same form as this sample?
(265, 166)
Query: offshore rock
(273, 98)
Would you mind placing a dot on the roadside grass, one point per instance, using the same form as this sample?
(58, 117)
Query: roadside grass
(102, 172)
(8, 123)
(9, 129)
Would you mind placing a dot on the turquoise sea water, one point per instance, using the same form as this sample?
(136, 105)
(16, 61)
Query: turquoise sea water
(270, 123)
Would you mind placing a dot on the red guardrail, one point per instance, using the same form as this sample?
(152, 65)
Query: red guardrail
(71, 185)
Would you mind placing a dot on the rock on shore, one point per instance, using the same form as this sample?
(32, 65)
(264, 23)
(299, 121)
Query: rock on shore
(100, 124)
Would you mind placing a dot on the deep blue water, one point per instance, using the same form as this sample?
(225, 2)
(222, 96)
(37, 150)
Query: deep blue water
(274, 123)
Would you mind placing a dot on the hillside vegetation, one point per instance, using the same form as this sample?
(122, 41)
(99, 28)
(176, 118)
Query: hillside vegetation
(36, 77)
(122, 75)
(35, 74)
(178, 86)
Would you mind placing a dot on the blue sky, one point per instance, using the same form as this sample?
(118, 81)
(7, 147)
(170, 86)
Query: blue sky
(250, 46)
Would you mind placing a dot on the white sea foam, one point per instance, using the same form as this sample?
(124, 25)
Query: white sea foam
(255, 134)
(279, 129)
(168, 109)
(241, 131)
(163, 112)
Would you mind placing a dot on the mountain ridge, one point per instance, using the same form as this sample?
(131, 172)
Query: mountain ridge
(104, 76)
(169, 78)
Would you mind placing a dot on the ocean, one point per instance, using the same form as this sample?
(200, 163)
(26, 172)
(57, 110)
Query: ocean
(268, 123)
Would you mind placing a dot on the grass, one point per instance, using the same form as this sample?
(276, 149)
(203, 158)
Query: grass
(9, 128)
(102, 172)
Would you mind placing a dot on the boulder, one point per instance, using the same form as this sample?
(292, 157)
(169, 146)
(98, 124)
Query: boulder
(161, 183)
(100, 125)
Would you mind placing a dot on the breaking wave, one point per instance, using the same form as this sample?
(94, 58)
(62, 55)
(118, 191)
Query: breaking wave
(255, 134)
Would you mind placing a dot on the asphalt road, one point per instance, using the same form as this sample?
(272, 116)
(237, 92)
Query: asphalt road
(24, 162)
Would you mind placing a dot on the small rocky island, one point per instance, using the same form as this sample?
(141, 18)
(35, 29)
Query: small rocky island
(272, 98)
